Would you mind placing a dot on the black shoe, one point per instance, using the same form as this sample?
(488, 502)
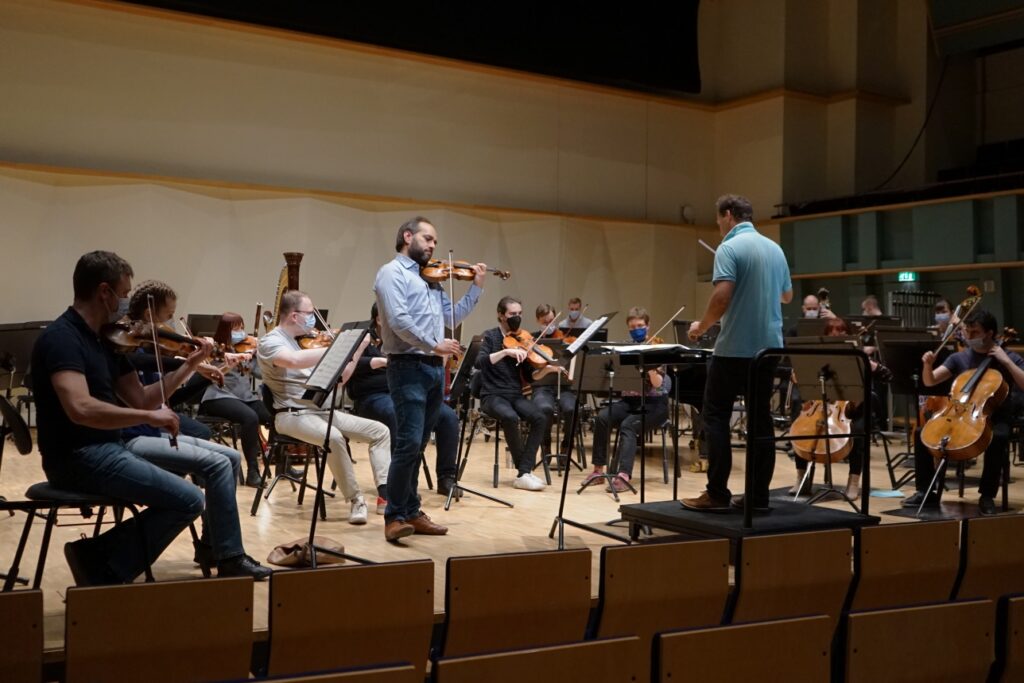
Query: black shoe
(915, 500)
(253, 478)
(291, 472)
(243, 565)
(759, 506)
(987, 505)
(445, 485)
(88, 563)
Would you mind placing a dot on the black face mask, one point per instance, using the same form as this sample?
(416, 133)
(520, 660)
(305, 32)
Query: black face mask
(514, 322)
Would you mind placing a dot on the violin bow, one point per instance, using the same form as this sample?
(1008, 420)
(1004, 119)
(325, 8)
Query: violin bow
(671, 318)
(159, 362)
(320, 318)
(951, 330)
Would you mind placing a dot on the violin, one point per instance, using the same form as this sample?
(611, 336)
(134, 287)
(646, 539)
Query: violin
(439, 270)
(247, 345)
(538, 355)
(126, 336)
(812, 421)
(320, 340)
(962, 430)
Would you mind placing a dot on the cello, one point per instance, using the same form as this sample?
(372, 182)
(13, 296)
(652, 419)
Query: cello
(963, 429)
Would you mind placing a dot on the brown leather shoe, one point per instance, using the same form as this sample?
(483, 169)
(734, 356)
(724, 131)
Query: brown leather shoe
(426, 526)
(397, 528)
(705, 503)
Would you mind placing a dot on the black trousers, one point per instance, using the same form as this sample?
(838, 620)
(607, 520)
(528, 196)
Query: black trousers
(625, 414)
(727, 379)
(508, 410)
(996, 456)
(545, 399)
(249, 416)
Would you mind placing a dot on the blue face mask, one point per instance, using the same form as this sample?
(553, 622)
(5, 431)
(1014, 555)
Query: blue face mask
(310, 322)
(122, 310)
(238, 336)
(638, 334)
(574, 315)
(941, 318)
(977, 344)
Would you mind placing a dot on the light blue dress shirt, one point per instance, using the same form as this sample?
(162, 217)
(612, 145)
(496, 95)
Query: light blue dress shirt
(413, 313)
(759, 270)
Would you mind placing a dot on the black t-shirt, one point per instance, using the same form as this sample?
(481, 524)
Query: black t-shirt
(70, 344)
(366, 381)
(503, 378)
(968, 360)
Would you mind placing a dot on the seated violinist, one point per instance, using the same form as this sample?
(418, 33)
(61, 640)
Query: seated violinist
(545, 395)
(503, 374)
(625, 413)
(837, 327)
(234, 399)
(574, 318)
(286, 367)
(980, 332)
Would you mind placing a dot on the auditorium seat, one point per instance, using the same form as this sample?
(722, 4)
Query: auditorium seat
(21, 636)
(343, 617)
(503, 602)
(1010, 639)
(992, 557)
(389, 674)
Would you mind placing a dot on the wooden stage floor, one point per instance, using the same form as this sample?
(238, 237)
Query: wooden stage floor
(477, 526)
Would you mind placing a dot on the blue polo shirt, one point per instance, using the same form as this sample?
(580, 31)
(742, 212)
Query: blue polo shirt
(758, 266)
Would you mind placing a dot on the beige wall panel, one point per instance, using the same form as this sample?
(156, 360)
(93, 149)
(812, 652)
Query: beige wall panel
(841, 165)
(748, 153)
(681, 168)
(741, 65)
(805, 152)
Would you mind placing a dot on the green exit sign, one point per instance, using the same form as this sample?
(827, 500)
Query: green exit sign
(907, 276)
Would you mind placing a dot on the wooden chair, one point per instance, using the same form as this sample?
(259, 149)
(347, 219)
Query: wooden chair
(1010, 639)
(171, 631)
(650, 588)
(951, 641)
(503, 602)
(343, 617)
(790, 649)
(792, 575)
(616, 659)
(21, 632)
(389, 674)
(992, 557)
(898, 565)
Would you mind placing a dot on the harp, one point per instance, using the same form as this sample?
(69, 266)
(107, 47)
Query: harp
(288, 280)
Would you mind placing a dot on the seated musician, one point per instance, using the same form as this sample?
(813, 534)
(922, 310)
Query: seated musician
(234, 400)
(545, 395)
(837, 327)
(77, 380)
(368, 389)
(574, 318)
(625, 413)
(869, 306)
(286, 367)
(980, 332)
(215, 466)
(503, 374)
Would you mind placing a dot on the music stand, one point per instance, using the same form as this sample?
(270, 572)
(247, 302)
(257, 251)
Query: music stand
(681, 330)
(557, 347)
(835, 378)
(321, 388)
(460, 397)
(560, 520)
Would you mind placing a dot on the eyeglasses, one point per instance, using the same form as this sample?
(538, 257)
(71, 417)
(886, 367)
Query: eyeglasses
(304, 312)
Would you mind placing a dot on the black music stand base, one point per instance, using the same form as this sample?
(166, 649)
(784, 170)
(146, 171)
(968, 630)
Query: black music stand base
(457, 490)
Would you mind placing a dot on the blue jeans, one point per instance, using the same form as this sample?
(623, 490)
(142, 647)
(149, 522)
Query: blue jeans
(216, 467)
(381, 407)
(417, 391)
(109, 469)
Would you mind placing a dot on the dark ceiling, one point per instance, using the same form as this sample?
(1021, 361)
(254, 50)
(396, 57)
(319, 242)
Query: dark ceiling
(646, 45)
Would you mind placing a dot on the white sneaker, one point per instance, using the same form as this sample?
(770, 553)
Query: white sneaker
(359, 512)
(528, 482)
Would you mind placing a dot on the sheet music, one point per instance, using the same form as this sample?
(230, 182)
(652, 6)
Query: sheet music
(643, 348)
(587, 334)
(331, 363)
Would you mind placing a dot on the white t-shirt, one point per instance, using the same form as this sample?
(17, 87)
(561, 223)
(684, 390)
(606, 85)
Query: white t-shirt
(286, 384)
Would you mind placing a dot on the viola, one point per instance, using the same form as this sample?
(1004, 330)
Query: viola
(812, 422)
(439, 270)
(963, 429)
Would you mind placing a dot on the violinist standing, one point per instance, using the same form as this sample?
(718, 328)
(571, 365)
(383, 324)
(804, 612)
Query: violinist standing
(980, 331)
(751, 278)
(77, 381)
(413, 315)
(504, 373)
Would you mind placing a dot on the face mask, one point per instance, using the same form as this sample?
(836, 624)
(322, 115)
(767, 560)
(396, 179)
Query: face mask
(514, 322)
(977, 344)
(941, 318)
(574, 315)
(122, 310)
(550, 329)
(238, 336)
(811, 313)
(638, 334)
